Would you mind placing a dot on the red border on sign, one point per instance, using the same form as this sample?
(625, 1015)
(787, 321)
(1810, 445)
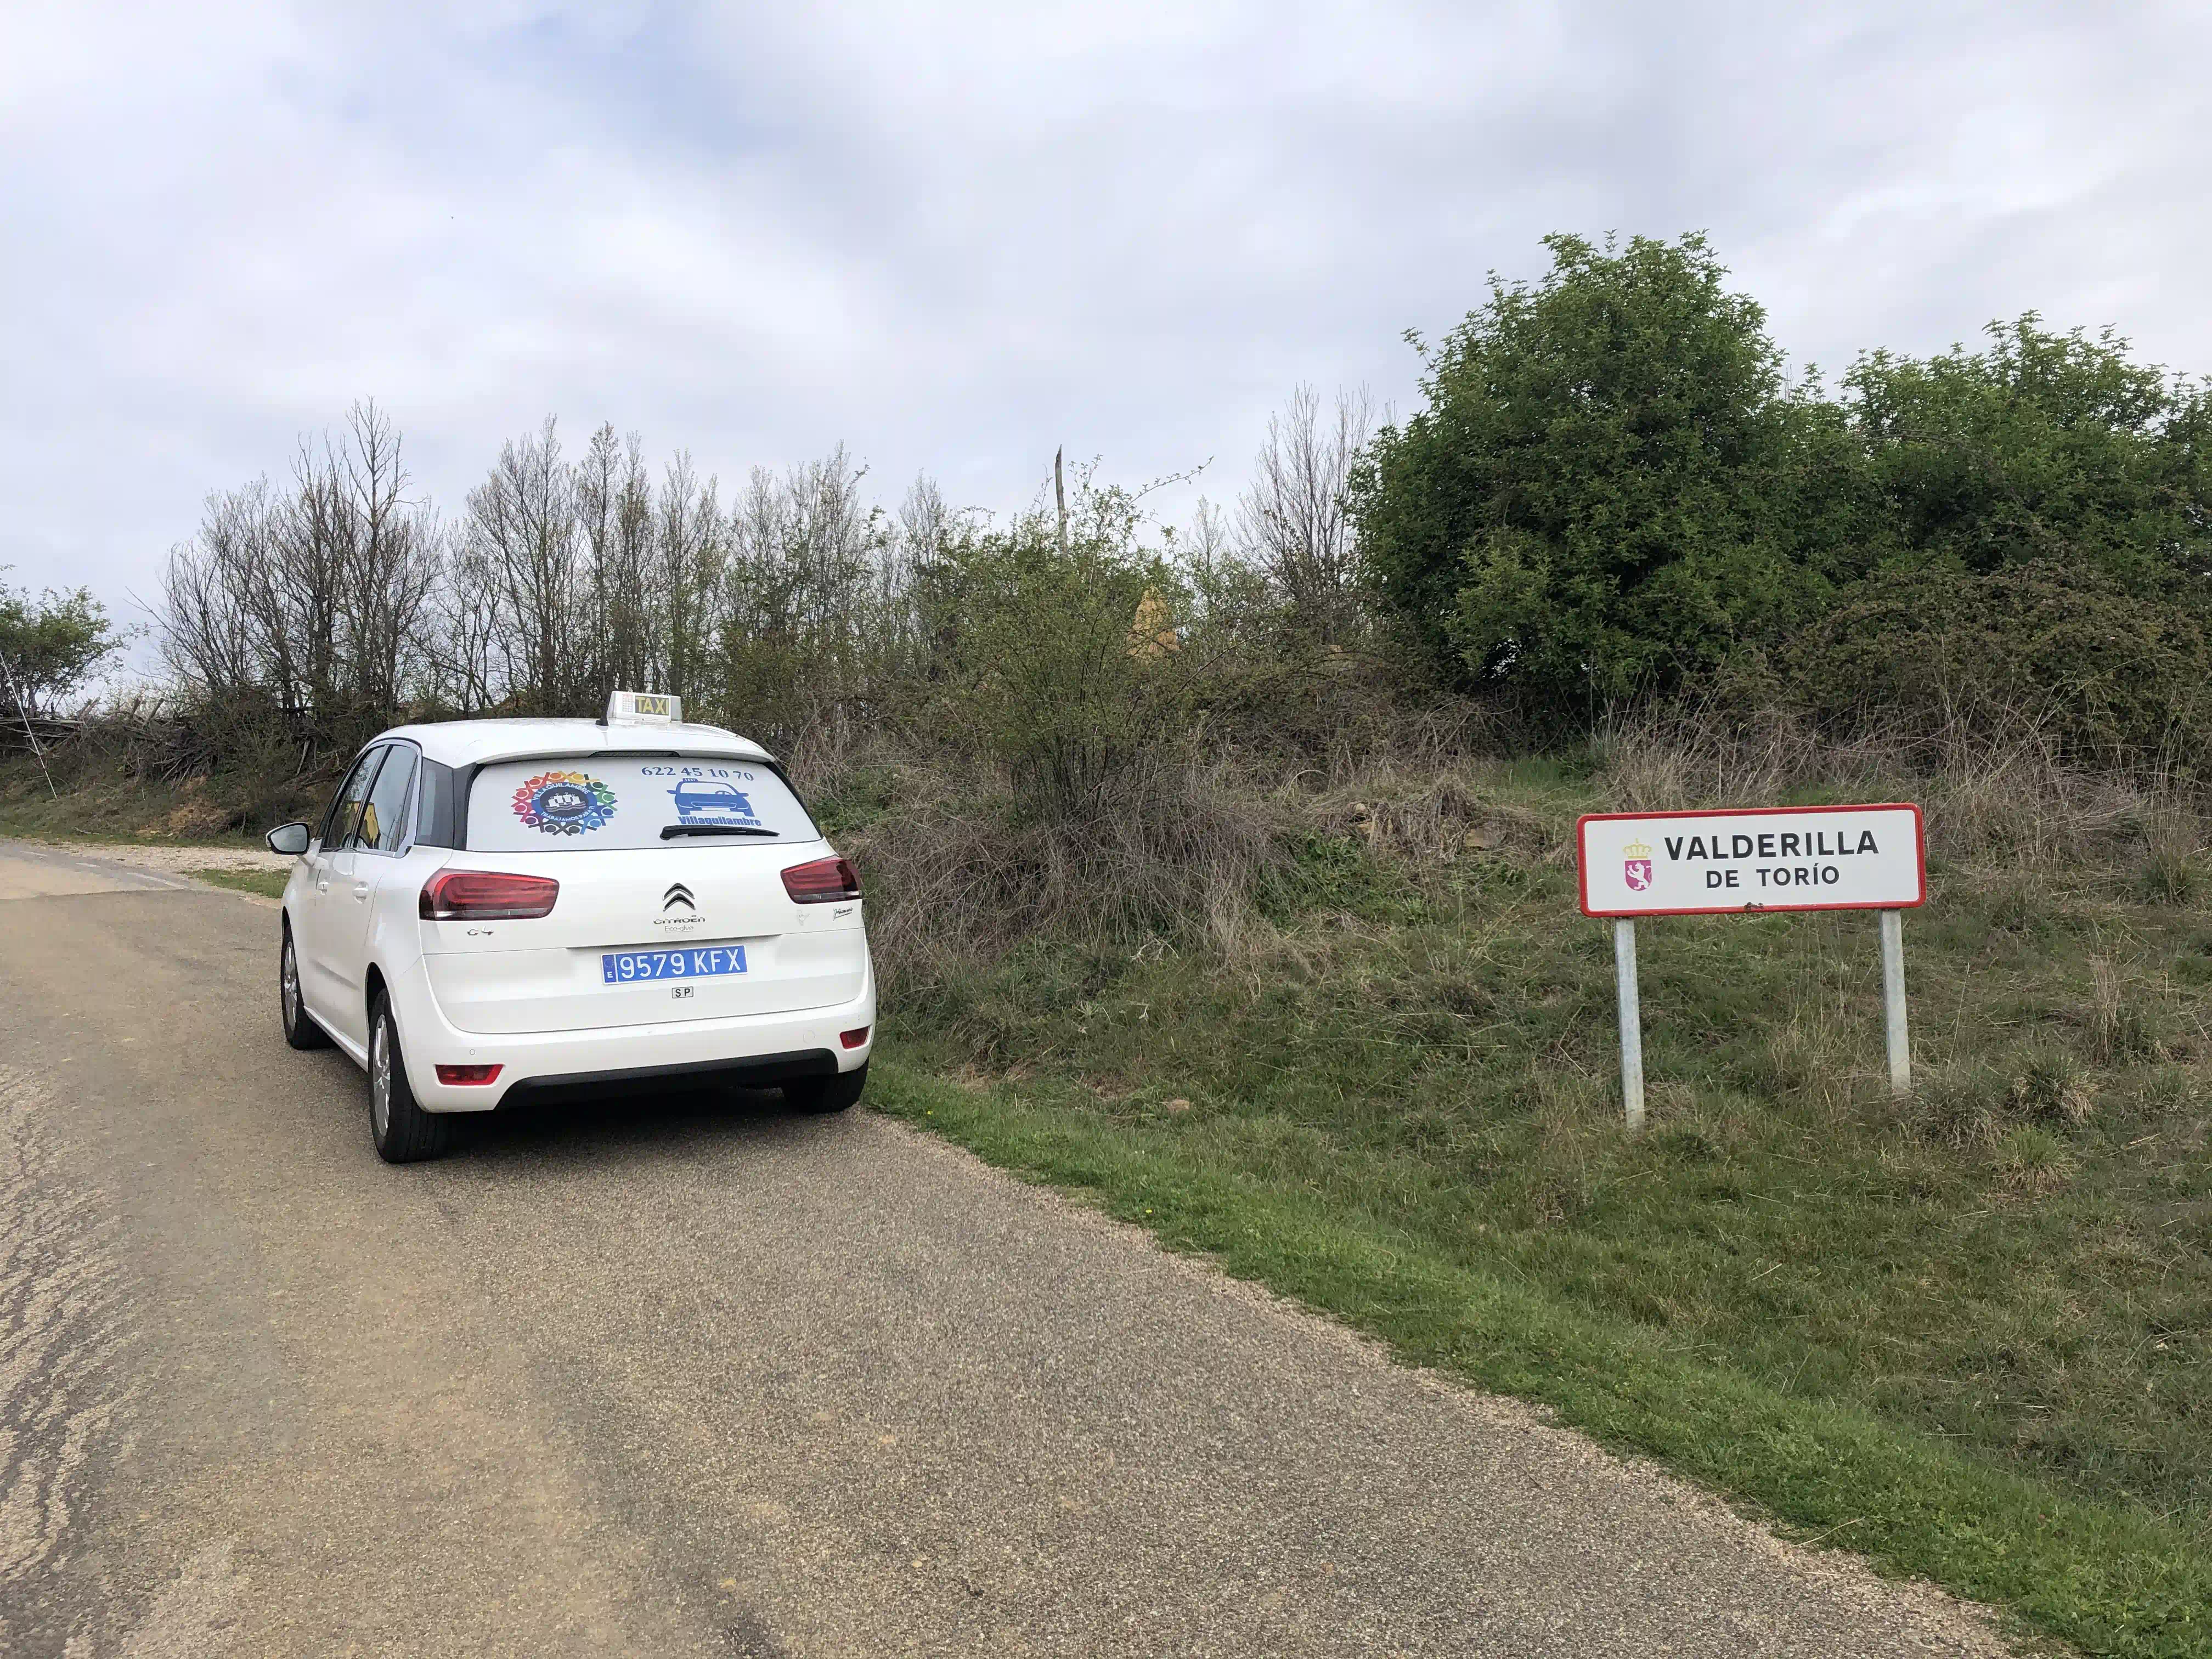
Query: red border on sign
(1919, 859)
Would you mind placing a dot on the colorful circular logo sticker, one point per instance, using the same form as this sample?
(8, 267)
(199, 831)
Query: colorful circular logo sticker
(564, 803)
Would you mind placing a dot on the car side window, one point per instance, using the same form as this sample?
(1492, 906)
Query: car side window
(345, 822)
(384, 818)
(435, 798)
(326, 831)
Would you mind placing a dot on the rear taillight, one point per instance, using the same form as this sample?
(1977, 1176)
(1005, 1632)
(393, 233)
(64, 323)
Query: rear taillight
(487, 896)
(853, 1039)
(822, 881)
(468, 1073)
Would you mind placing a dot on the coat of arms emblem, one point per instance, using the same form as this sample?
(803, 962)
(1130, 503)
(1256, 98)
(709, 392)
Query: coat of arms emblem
(1636, 865)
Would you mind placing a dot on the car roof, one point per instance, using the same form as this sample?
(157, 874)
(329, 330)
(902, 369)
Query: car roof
(472, 742)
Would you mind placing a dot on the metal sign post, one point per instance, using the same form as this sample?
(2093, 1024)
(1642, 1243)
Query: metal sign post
(1893, 1002)
(1745, 863)
(1631, 1022)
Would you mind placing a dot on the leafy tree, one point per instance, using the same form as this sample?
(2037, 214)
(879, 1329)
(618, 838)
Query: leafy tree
(2048, 561)
(2046, 448)
(1611, 484)
(50, 647)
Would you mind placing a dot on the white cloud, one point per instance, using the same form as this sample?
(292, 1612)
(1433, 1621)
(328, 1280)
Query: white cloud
(954, 237)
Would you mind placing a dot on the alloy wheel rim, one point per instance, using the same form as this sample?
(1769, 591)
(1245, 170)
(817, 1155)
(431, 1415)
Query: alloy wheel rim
(379, 1077)
(290, 979)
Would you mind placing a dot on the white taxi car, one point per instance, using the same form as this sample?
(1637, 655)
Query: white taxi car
(498, 910)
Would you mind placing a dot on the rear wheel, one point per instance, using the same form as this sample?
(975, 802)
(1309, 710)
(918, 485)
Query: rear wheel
(826, 1094)
(402, 1130)
(300, 1028)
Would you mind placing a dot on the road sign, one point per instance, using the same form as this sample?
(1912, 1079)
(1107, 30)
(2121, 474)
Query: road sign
(1762, 858)
(1753, 859)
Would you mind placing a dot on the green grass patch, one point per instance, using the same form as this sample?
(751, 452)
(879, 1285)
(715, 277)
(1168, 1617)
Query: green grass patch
(1969, 1335)
(268, 883)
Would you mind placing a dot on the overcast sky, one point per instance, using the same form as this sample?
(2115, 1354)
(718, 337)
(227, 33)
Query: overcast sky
(954, 237)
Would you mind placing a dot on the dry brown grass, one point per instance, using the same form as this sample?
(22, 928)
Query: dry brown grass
(1981, 795)
(1180, 845)
(1177, 850)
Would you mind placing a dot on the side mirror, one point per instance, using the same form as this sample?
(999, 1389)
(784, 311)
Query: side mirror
(289, 839)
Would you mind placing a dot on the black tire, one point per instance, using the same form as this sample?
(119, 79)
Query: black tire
(402, 1131)
(300, 1028)
(826, 1094)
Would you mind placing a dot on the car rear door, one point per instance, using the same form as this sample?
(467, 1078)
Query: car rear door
(320, 928)
(358, 869)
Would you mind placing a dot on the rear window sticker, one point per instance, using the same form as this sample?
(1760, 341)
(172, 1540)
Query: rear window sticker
(564, 803)
(709, 800)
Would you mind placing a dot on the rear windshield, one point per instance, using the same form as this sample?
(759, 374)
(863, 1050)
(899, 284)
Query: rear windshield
(591, 802)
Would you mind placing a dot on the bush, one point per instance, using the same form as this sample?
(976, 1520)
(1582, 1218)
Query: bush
(2108, 677)
(1612, 495)
(50, 647)
(968, 872)
(1044, 669)
(2042, 447)
(1610, 487)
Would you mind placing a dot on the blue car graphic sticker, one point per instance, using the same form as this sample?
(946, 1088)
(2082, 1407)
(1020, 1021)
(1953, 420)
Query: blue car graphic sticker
(704, 801)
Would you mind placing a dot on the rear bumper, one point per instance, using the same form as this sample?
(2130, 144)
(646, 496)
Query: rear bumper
(761, 1049)
(755, 1072)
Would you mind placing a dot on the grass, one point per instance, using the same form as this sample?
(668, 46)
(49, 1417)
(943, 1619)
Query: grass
(268, 883)
(101, 801)
(1967, 1335)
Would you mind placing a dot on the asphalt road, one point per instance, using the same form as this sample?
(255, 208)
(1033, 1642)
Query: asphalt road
(691, 1376)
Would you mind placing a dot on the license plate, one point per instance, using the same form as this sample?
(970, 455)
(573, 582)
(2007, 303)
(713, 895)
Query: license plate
(698, 962)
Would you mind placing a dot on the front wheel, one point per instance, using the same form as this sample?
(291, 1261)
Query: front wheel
(826, 1094)
(402, 1130)
(300, 1028)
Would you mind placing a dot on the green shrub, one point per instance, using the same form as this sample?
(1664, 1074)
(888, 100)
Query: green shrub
(2107, 678)
(1612, 494)
(1611, 484)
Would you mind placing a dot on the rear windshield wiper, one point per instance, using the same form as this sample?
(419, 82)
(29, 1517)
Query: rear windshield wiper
(675, 830)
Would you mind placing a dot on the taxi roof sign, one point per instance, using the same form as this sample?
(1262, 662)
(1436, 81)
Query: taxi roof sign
(644, 708)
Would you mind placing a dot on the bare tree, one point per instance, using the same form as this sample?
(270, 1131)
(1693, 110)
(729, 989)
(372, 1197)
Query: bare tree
(388, 566)
(470, 666)
(205, 635)
(924, 522)
(309, 602)
(1292, 518)
(688, 566)
(523, 540)
(800, 611)
(614, 505)
(1211, 545)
